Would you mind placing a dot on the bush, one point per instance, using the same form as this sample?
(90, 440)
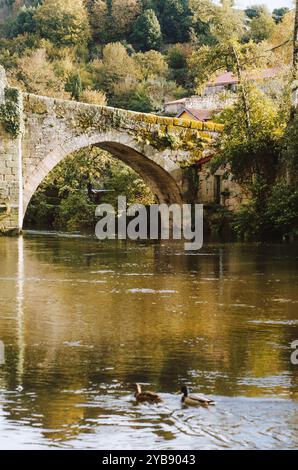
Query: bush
(75, 212)
(282, 210)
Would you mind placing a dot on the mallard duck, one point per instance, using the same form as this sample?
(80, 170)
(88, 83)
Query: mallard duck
(194, 400)
(151, 397)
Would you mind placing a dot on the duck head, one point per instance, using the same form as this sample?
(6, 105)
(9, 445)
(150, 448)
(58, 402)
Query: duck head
(184, 390)
(138, 389)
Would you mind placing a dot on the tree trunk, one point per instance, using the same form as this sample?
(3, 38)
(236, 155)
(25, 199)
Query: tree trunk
(243, 92)
(295, 64)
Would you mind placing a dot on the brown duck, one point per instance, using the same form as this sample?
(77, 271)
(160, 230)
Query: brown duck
(148, 396)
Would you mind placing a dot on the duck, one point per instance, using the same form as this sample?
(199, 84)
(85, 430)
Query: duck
(194, 400)
(148, 396)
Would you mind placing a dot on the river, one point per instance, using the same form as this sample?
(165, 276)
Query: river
(82, 321)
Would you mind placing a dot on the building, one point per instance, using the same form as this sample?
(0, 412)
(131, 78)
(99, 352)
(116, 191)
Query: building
(172, 108)
(221, 92)
(228, 82)
(194, 114)
(218, 94)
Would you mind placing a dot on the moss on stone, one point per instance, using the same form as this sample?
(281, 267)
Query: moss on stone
(11, 111)
(59, 109)
(87, 119)
(209, 126)
(197, 125)
(33, 104)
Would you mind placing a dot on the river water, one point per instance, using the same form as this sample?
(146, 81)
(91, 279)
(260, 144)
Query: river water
(82, 321)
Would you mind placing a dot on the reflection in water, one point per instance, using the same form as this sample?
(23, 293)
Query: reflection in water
(20, 312)
(83, 321)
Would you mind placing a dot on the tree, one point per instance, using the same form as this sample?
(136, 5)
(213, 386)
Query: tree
(151, 63)
(203, 12)
(254, 11)
(175, 20)
(124, 14)
(252, 155)
(100, 21)
(178, 56)
(146, 33)
(74, 86)
(261, 26)
(93, 97)
(25, 22)
(63, 22)
(279, 13)
(35, 73)
(227, 22)
(208, 61)
(115, 67)
(283, 34)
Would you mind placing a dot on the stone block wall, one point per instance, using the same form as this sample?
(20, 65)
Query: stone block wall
(9, 173)
(231, 196)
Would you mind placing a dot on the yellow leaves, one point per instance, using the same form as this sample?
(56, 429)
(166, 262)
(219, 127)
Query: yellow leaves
(35, 105)
(93, 97)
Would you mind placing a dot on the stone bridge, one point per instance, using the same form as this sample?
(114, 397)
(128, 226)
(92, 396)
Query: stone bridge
(37, 132)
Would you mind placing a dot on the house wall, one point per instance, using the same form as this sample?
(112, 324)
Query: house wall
(231, 194)
(187, 116)
(173, 109)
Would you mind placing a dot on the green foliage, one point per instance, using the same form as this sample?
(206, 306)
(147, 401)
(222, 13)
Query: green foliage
(273, 213)
(10, 113)
(42, 211)
(146, 33)
(255, 151)
(261, 27)
(255, 11)
(175, 18)
(74, 86)
(75, 212)
(25, 22)
(122, 181)
(290, 149)
(279, 13)
(282, 210)
(62, 201)
(250, 221)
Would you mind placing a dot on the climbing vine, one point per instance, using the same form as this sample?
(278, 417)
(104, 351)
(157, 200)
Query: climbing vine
(10, 112)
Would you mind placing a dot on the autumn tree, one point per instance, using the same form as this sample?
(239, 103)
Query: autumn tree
(63, 22)
(124, 14)
(261, 26)
(151, 63)
(100, 20)
(114, 67)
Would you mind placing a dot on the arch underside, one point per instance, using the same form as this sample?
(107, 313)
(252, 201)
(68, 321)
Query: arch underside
(164, 185)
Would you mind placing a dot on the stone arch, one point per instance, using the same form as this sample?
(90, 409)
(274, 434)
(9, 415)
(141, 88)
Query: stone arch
(162, 175)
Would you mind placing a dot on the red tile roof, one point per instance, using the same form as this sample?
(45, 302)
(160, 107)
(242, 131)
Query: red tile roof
(227, 78)
(198, 114)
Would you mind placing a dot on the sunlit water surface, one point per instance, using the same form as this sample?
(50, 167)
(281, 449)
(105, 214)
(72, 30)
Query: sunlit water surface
(82, 321)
